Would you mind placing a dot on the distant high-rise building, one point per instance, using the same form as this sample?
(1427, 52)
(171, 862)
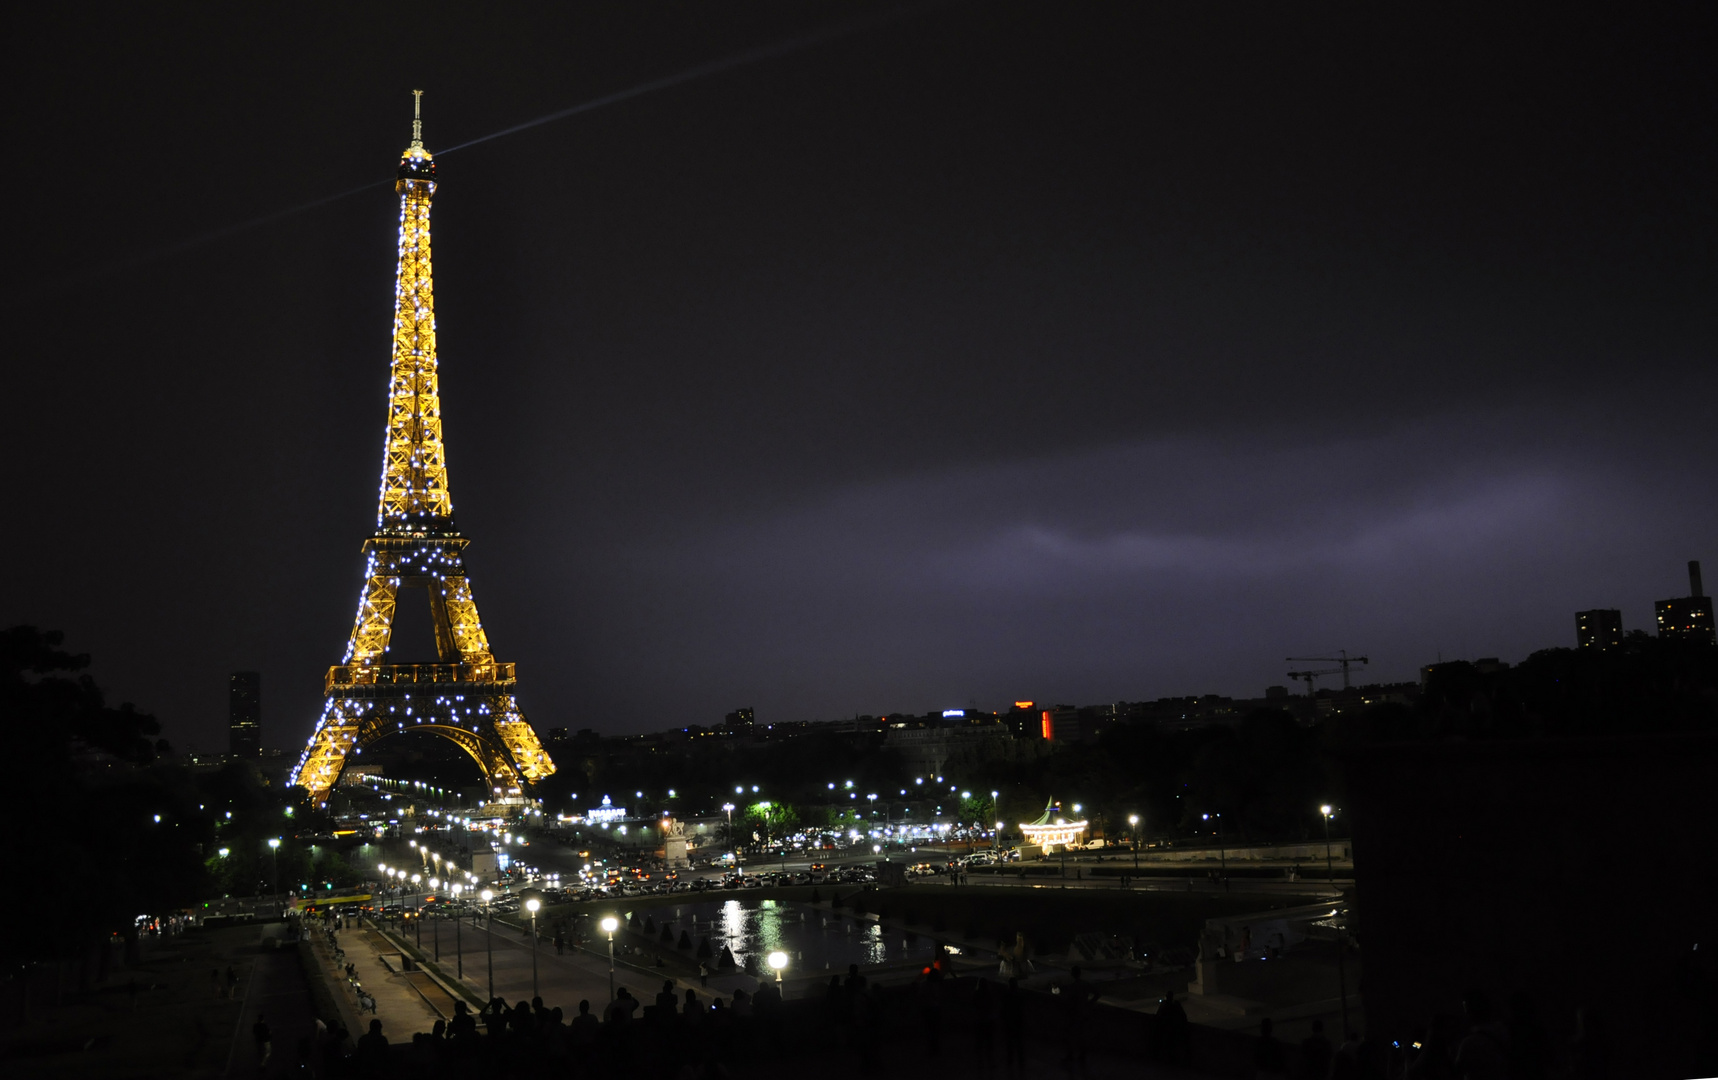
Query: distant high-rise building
(244, 714)
(739, 719)
(1600, 629)
(1688, 617)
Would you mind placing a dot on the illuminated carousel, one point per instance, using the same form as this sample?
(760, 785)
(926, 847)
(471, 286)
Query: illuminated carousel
(1052, 829)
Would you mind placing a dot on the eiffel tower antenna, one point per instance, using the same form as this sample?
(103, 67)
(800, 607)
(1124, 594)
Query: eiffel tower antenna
(467, 695)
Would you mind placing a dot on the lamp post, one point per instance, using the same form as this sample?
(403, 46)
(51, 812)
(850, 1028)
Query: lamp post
(489, 939)
(1329, 869)
(419, 921)
(274, 863)
(458, 946)
(729, 807)
(532, 905)
(995, 837)
(778, 961)
(610, 924)
(1222, 852)
(1133, 826)
(435, 931)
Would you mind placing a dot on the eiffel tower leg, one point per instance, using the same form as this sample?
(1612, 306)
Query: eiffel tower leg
(488, 727)
(324, 759)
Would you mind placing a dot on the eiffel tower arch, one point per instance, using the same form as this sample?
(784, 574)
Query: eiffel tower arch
(467, 696)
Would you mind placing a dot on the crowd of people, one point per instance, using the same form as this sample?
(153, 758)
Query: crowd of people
(1477, 1046)
(693, 1033)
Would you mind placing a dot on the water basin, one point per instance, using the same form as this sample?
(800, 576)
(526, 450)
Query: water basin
(815, 939)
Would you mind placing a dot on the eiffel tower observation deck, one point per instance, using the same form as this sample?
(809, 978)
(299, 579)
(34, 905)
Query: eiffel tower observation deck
(467, 696)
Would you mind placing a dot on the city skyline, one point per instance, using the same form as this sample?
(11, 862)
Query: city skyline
(1096, 372)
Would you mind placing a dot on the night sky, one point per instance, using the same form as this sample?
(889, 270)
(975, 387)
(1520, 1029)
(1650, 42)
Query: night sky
(969, 353)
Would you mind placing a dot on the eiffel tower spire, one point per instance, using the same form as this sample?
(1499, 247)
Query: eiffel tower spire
(415, 495)
(466, 696)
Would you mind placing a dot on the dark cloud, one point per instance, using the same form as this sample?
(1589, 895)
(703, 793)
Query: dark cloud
(1172, 566)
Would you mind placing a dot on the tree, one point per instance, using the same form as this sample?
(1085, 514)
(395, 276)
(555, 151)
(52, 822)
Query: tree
(772, 819)
(129, 833)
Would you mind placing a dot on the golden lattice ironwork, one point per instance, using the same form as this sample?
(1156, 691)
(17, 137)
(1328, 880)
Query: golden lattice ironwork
(466, 696)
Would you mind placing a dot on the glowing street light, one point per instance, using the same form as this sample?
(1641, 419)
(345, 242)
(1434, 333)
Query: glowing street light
(458, 946)
(1133, 826)
(274, 862)
(489, 938)
(1329, 870)
(610, 924)
(729, 807)
(778, 961)
(532, 905)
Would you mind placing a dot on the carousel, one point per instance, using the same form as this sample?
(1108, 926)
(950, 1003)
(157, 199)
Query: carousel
(1052, 829)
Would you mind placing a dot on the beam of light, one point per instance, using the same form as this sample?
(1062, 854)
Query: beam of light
(700, 71)
(708, 68)
(132, 262)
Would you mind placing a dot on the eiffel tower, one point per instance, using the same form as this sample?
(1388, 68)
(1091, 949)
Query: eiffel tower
(467, 697)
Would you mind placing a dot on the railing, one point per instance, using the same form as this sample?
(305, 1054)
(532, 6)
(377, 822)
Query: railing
(344, 675)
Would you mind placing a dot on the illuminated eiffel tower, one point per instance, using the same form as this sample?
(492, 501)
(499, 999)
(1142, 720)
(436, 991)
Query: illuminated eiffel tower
(466, 697)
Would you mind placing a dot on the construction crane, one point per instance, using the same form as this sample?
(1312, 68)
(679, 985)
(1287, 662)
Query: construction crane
(1344, 660)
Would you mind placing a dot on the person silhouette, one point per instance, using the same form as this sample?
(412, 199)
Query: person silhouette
(1484, 1054)
(463, 1023)
(264, 1040)
(1269, 1061)
(1315, 1054)
(584, 1026)
(1169, 1035)
(372, 1048)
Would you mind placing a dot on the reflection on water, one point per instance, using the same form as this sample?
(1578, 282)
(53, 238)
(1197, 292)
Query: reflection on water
(814, 939)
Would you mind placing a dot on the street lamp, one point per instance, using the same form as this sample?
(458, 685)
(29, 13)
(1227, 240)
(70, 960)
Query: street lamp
(729, 807)
(995, 837)
(1222, 852)
(610, 924)
(435, 931)
(1329, 870)
(489, 939)
(458, 946)
(1133, 825)
(414, 895)
(532, 905)
(778, 961)
(1341, 975)
(274, 862)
